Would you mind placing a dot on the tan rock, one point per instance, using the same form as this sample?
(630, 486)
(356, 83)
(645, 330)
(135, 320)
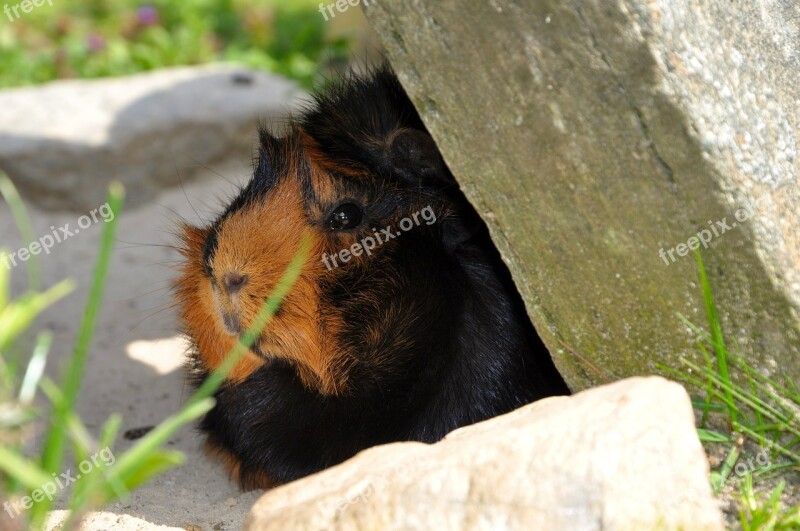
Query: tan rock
(622, 456)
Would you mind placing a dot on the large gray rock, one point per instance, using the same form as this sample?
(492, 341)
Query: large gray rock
(619, 457)
(61, 143)
(594, 134)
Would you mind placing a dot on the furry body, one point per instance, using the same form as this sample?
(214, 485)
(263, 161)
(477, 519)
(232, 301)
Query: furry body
(424, 335)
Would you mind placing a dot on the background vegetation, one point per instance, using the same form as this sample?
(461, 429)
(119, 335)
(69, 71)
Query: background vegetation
(96, 38)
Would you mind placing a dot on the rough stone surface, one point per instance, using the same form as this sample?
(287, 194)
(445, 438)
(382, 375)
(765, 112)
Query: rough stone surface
(63, 141)
(593, 134)
(622, 456)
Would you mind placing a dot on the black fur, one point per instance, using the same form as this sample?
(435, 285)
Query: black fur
(457, 346)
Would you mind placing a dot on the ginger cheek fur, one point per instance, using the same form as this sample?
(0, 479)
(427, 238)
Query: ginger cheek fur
(257, 243)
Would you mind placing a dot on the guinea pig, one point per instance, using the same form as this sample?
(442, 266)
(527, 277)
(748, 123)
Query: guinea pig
(404, 323)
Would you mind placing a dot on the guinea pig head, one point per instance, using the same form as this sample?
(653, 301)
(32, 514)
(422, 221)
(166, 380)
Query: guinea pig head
(347, 207)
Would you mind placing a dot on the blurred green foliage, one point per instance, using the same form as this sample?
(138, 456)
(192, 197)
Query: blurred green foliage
(96, 38)
(23, 475)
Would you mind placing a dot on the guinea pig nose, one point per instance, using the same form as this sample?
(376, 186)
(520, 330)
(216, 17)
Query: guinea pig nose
(234, 282)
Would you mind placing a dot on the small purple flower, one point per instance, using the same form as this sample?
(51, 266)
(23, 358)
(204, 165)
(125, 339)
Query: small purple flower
(148, 16)
(95, 43)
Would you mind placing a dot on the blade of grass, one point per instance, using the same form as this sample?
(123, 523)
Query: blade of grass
(713, 407)
(764, 441)
(12, 197)
(700, 384)
(5, 280)
(81, 492)
(26, 472)
(771, 471)
(53, 449)
(791, 385)
(752, 386)
(35, 370)
(712, 436)
(732, 391)
(718, 479)
(154, 464)
(752, 402)
(716, 330)
(110, 429)
(769, 386)
(18, 316)
(125, 467)
(709, 370)
(768, 427)
(747, 503)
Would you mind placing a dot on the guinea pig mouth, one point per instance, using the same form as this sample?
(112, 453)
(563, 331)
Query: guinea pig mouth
(232, 323)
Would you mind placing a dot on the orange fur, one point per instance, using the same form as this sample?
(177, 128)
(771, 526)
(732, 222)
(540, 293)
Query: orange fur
(232, 465)
(201, 320)
(259, 241)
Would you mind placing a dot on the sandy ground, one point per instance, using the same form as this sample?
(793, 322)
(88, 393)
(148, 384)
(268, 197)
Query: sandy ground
(135, 366)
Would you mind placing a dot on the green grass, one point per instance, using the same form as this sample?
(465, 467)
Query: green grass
(753, 408)
(23, 474)
(766, 512)
(98, 38)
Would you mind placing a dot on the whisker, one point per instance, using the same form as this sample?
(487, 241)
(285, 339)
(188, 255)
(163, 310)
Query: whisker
(183, 188)
(158, 312)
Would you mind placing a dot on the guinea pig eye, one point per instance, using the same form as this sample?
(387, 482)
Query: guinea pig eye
(345, 216)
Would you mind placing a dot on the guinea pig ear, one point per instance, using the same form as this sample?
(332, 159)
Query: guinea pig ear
(412, 154)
